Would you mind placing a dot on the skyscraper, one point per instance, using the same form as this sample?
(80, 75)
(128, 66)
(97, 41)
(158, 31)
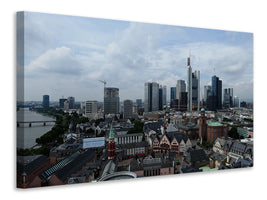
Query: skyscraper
(151, 100)
(231, 93)
(90, 107)
(61, 102)
(217, 91)
(128, 109)
(173, 93)
(236, 102)
(46, 101)
(71, 102)
(160, 97)
(228, 97)
(164, 95)
(193, 87)
(207, 92)
(195, 90)
(189, 85)
(111, 100)
(180, 87)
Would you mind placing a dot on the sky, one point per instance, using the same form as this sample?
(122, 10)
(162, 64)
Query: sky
(68, 55)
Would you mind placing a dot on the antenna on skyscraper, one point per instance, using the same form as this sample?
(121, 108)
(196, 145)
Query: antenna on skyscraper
(188, 59)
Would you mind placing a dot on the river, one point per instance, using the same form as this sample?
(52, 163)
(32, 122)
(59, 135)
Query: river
(26, 135)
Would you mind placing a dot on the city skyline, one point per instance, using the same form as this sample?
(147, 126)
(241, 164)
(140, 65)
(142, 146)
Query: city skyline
(71, 54)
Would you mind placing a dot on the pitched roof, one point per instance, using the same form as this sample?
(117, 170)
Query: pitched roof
(178, 135)
(197, 155)
(69, 165)
(31, 166)
(155, 126)
(111, 133)
(133, 145)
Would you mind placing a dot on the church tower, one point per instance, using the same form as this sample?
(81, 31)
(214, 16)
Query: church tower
(202, 125)
(111, 144)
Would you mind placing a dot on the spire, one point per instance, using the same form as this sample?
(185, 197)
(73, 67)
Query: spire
(111, 133)
(188, 59)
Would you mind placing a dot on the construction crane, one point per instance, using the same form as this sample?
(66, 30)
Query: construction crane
(103, 82)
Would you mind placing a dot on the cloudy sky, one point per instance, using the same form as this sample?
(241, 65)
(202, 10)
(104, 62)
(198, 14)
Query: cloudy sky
(67, 56)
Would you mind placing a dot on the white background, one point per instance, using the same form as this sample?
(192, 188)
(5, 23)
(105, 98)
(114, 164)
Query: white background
(241, 15)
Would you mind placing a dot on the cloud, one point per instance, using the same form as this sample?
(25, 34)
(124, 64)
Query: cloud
(131, 56)
(60, 61)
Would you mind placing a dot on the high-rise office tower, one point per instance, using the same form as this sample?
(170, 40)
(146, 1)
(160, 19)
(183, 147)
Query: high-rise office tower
(196, 90)
(173, 93)
(160, 97)
(127, 109)
(217, 91)
(180, 87)
(91, 107)
(231, 93)
(139, 103)
(164, 95)
(46, 101)
(189, 85)
(193, 87)
(71, 102)
(182, 102)
(151, 100)
(207, 92)
(236, 102)
(66, 105)
(228, 97)
(111, 100)
(61, 102)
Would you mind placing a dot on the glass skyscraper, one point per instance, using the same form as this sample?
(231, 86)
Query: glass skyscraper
(46, 101)
(217, 91)
(111, 100)
(151, 100)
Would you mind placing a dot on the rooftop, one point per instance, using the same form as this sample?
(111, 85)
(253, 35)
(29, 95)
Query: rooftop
(215, 124)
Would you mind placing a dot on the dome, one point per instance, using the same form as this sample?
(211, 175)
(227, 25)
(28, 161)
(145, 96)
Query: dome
(202, 109)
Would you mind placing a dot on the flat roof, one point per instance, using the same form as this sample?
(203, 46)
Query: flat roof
(215, 124)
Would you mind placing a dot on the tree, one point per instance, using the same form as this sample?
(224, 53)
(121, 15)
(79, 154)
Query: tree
(138, 127)
(233, 133)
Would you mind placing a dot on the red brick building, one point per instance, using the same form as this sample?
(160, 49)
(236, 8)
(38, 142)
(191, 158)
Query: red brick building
(210, 131)
(215, 130)
(28, 167)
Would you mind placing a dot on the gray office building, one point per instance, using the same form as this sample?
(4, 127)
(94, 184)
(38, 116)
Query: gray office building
(71, 101)
(164, 95)
(180, 87)
(217, 91)
(46, 101)
(61, 102)
(111, 100)
(173, 93)
(139, 103)
(207, 92)
(193, 88)
(151, 100)
(127, 109)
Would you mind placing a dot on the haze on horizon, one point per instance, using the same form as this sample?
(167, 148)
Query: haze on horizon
(68, 55)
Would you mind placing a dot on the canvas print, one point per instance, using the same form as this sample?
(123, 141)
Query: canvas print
(102, 100)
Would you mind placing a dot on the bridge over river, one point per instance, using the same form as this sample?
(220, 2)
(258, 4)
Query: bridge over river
(43, 122)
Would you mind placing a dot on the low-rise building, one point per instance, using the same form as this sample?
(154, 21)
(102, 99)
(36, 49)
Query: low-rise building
(152, 167)
(60, 172)
(28, 167)
(170, 142)
(215, 130)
